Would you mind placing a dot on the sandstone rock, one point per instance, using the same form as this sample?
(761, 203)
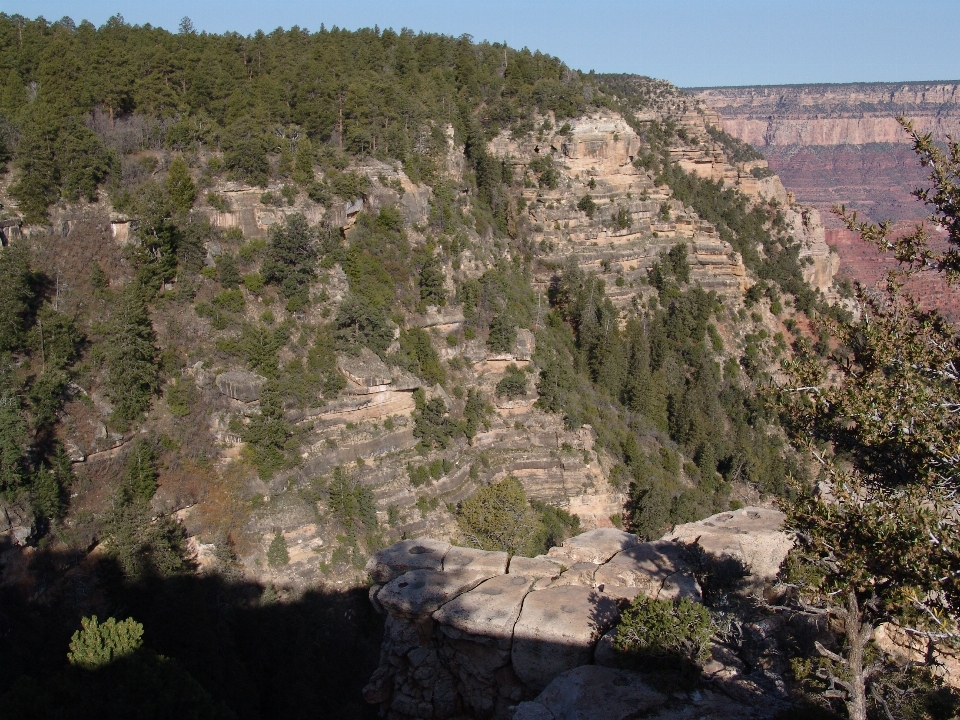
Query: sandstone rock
(594, 693)
(535, 567)
(406, 555)
(658, 569)
(556, 631)
(596, 546)
(752, 536)
(581, 573)
(240, 385)
(480, 561)
(905, 648)
(418, 593)
(490, 610)
(525, 345)
(467, 633)
(365, 370)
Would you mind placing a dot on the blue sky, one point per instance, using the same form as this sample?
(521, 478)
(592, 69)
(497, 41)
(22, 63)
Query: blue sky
(690, 43)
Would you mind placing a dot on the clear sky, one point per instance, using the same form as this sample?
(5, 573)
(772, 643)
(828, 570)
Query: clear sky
(688, 42)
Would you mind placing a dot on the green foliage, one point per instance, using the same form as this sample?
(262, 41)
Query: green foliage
(246, 160)
(14, 441)
(227, 273)
(377, 260)
(349, 185)
(498, 517)
(432, 282)
(180, 186)
(350, 503)
(434, 470)
(57, 157)
(97, 644)
(277, 555)
(431, 424)
(587, 205)
(143, 546)
(474, 412)
(664, 636)
(131, 358)
(271, 440)
(555, 526)
(622, 219)
(418, 356)
(140, 474)
(503, 334)
(513, 384)
(361, 323)
(17, 297)
(735, 149)
(291, 257)
(547, 174)
(321, 359)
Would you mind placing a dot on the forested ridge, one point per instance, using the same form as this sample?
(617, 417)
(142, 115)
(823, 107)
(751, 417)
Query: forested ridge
(179, 383)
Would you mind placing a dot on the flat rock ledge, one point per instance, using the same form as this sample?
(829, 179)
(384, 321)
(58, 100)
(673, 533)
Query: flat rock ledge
(471, 633)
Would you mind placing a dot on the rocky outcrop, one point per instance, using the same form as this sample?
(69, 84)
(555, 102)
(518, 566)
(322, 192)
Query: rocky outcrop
(473, 633)
(240, 385)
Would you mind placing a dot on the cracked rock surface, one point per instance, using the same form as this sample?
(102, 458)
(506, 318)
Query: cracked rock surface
(471, 633)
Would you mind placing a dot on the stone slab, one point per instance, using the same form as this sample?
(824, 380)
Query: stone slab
(596, 546)
(490, 610)
(557, 630)
(406, 555)
(752, 535)
(418, 593)
(658, 568)
(461, 558)
(534, 567)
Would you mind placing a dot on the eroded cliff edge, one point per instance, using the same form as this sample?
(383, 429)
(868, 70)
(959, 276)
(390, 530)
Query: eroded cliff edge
(477, 634)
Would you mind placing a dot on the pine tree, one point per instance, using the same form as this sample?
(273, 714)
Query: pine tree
(97, 644)
(132, 376)
(277, 554)
(180, 186)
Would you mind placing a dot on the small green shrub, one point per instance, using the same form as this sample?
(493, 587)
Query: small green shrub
(277, 555)
(97, 644)
(587, 204)
(513, 384)
(253, 282)
(664, 635)
(231, 300)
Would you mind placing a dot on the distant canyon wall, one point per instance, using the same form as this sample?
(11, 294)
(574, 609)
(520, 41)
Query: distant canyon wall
(851, 114)
(841, 144)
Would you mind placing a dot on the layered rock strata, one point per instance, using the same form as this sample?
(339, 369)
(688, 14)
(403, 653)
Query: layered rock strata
(475, 633)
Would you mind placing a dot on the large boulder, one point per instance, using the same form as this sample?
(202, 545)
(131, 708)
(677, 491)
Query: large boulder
(240, 385)
(404, 556)
(659, 569)
(750, 536)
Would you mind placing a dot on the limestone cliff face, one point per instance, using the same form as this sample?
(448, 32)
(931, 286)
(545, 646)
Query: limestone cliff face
(857, 114)
(841, 144)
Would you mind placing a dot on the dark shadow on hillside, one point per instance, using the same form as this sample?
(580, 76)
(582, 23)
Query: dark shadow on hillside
(229, 646)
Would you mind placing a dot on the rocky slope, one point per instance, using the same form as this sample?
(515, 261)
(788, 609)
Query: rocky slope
(368, 426)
